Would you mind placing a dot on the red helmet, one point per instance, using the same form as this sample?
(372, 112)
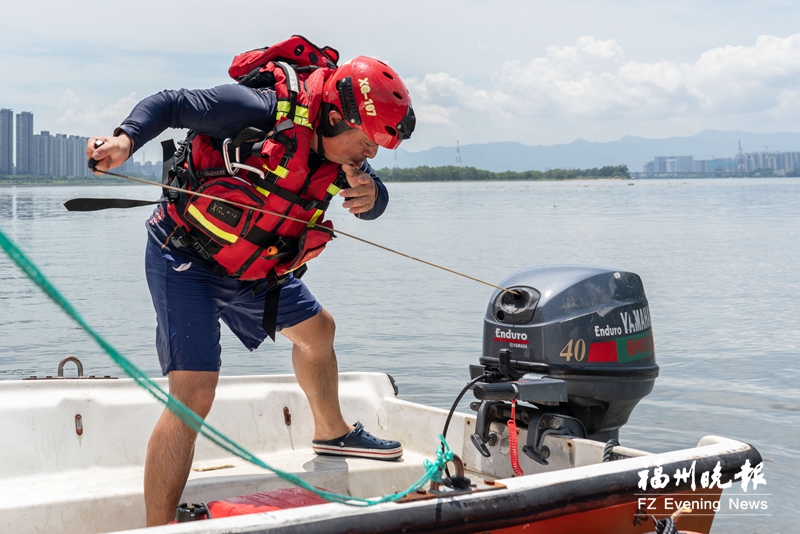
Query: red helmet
(373, 98)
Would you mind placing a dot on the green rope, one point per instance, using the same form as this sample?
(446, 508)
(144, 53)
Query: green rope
(433, 470)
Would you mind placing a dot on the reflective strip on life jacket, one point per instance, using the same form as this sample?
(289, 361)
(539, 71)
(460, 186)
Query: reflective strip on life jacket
(300, 113)
(208, 225)
(332, 190)
(314, 218)
(241, 250)
(292, 82)
(279, 171)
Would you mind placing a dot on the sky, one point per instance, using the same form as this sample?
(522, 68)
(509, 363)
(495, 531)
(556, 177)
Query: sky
(539, 73)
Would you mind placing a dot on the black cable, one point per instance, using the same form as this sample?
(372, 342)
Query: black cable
(666, 526)
(607, 449)
(453, 409)
(458, 399)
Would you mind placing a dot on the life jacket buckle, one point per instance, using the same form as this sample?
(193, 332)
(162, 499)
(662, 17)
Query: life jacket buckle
(178, 241)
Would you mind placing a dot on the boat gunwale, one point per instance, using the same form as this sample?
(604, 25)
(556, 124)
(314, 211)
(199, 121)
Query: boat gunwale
(524, 500)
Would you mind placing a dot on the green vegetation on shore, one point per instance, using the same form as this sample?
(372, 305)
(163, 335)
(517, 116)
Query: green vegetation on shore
(452, 173)
(449, 173)
(35, 180)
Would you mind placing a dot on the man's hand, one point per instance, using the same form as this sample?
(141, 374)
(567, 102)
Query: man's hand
(109, 152)
(362, 193)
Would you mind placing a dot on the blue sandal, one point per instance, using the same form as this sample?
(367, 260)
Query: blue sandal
(358, 442)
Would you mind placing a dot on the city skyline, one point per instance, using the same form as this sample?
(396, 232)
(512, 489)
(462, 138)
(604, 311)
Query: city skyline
(550, 74)
(35, 149)
(44, 154)
(24, 153)
(742, 162)
(39, 154)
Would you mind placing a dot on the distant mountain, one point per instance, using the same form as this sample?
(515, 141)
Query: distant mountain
(631, 151)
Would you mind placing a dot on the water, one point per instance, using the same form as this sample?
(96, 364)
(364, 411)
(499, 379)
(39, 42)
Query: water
(718, 259)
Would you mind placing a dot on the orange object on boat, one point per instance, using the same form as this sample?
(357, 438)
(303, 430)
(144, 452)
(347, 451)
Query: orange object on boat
(267, 501)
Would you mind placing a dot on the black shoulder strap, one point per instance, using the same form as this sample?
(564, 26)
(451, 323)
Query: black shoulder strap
(168, 150)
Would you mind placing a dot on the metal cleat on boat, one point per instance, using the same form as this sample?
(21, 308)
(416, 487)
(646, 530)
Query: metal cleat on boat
(60, 372)
(457, 484)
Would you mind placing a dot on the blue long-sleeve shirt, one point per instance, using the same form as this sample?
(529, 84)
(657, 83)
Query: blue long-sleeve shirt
(221, 112)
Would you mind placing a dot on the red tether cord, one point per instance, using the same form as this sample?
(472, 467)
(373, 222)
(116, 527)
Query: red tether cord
(512, 440)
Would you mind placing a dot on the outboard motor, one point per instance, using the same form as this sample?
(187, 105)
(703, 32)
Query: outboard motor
(575, 344)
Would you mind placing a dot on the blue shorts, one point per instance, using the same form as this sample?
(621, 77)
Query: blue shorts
(190, 301)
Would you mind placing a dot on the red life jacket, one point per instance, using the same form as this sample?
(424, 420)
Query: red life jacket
(268, 170)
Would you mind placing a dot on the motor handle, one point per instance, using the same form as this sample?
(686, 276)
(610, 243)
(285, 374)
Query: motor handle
(480, 445)
(499, 391)
(540, 458)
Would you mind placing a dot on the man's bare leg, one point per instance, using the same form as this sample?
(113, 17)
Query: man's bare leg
(317, 373)
(171, 446)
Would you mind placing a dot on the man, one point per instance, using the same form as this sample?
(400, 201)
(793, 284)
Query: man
(351, 111)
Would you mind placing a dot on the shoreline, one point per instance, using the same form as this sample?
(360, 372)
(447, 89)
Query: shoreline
(50, 181)
(120, 182)
(82, 181)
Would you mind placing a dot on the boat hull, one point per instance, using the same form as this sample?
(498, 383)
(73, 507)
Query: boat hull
(627, 518)
(60, 477)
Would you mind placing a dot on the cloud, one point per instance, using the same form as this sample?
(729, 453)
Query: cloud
(438, 115)
(69, 99)
(593, 80)
(93, 117)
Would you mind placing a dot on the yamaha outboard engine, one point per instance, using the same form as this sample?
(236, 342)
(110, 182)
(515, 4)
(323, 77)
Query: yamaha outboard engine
(574, 344)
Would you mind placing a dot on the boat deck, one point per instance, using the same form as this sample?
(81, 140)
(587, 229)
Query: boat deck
(58, 476)
(119, 489)
(50, 469)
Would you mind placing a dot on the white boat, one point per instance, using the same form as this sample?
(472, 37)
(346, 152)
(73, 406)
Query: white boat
(73, 462)
(73, 450)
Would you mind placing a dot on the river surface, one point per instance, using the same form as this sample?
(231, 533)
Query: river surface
(719, 259)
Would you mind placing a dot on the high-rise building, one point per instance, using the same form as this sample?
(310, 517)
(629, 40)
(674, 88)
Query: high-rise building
(778, 161)
(24, 143)
(59, 155)
(684, 163)
(127, 167)
(42, 146)
(40, 154)
(76, 156)
(6, 142)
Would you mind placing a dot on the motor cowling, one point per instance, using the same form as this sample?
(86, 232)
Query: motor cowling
(574, 341)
